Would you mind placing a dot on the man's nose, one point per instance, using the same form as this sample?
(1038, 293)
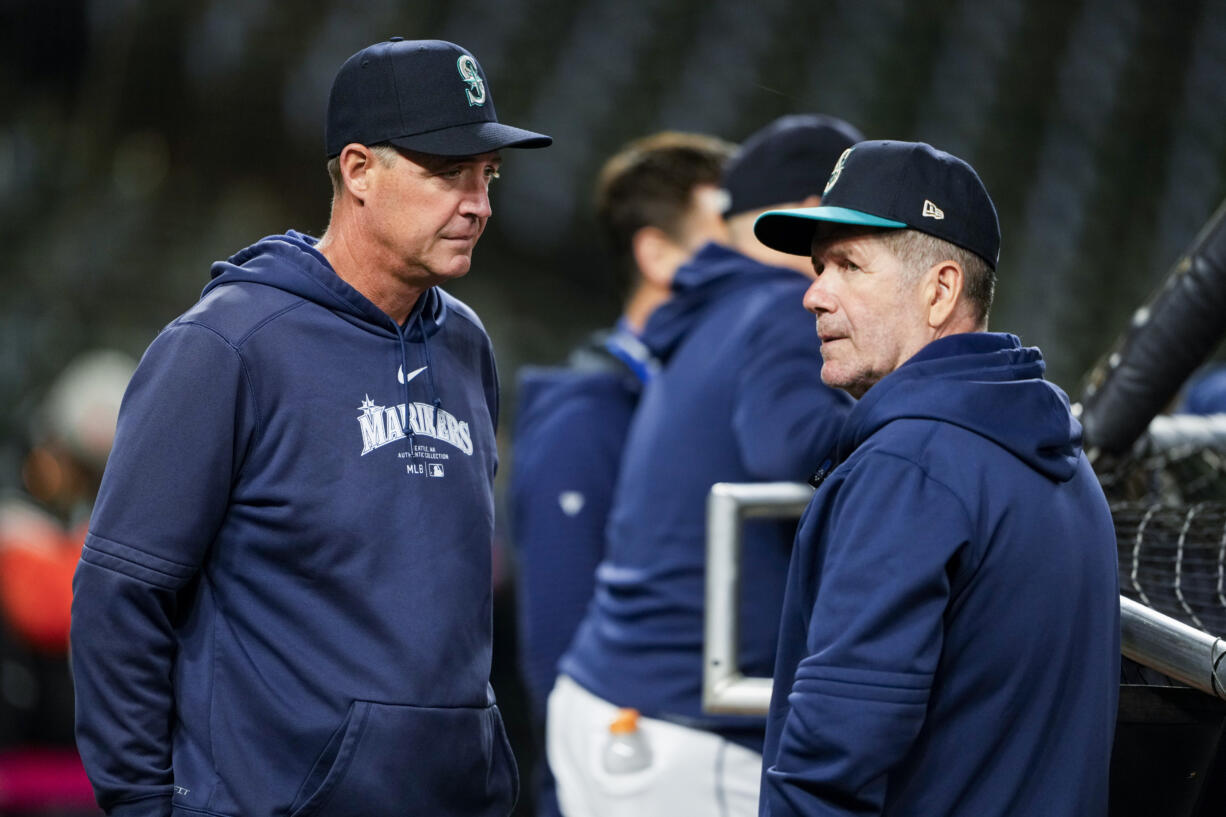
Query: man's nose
(817, 298)
(477, 201)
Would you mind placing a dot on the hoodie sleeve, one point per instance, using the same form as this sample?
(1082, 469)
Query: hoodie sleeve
(859, 696)
(163, 497)
(785, 420)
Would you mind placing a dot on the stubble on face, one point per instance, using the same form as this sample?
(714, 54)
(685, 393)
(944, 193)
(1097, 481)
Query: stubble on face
(441, 209)
(864, 304)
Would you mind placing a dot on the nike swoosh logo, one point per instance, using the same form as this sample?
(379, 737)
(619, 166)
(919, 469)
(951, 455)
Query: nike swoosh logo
(400, 375)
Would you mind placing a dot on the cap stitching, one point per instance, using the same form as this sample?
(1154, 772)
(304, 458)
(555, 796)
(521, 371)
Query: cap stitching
(907, 167)
(391, 69)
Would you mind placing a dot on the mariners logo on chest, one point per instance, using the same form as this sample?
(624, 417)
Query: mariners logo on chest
(381, 425)
(422, 424)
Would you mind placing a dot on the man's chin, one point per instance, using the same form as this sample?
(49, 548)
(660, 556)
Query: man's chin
(852, 384)
(456, 267)
(831, 378)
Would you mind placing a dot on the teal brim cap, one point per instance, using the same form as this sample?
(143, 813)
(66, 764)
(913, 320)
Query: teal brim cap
(792, 231)
(895, 185)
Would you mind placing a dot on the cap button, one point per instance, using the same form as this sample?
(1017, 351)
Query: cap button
(396, 39)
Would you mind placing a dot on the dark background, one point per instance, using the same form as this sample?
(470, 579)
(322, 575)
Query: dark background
(142, 139)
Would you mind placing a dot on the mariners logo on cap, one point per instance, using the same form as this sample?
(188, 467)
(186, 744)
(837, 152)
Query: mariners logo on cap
(475, 91)
(838, 168)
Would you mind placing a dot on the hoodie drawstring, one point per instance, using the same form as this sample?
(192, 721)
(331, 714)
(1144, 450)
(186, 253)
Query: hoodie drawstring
(404, 381)
(437, 402)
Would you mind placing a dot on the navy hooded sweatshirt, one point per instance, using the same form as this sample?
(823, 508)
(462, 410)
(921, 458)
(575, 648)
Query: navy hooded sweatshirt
(570, 429)
(283, 606)
(739, 398)
(950, 635)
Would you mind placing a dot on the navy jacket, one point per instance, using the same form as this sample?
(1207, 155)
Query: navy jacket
(1206, 392)
(739, 399)
(570, 428)
(950, 637)
(284, 606)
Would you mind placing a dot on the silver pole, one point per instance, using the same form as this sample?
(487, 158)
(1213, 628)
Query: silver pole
(1168, 432)
(1146, 636)
(725, 689)
(1172, 647)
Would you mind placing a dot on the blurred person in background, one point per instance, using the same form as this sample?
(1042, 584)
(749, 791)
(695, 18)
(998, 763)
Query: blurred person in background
(1205, 392)
(284, 600)
(950, 641)
(658, 200)
(738, 398)
(41, 534)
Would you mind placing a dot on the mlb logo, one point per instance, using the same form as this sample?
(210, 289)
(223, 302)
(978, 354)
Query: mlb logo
(436, 470)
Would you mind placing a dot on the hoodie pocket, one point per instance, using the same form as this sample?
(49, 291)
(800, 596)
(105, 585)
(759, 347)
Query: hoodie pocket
(390, 759)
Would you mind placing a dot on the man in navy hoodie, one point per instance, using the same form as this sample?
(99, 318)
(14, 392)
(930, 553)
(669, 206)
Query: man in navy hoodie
(283, 603)
(738, 398)
(950, 634)
(657, 201)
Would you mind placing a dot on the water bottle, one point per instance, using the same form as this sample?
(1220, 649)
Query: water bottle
(626, 750)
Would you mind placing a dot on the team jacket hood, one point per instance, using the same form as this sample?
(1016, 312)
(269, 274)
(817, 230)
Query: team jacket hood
(291, 263)
(987, 383)
(715, 273)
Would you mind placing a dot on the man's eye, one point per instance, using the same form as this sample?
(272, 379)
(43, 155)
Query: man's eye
(492, 173)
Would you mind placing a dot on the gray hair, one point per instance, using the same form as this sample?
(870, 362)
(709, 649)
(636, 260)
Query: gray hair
(386, 154)
(919, 252)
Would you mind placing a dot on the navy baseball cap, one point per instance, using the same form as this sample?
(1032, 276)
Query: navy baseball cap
(895, 185)
(788, 160)
(425, 95)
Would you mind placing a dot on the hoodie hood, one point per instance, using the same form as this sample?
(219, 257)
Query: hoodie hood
(986, 383)
(713, 271)
(291, 262)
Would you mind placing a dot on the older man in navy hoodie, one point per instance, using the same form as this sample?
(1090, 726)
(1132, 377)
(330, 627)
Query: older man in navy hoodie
(738, 398)
(950, 635)
(283, 604)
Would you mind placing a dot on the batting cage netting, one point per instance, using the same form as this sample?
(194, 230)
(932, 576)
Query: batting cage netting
(1166, 475)
(1172, 559)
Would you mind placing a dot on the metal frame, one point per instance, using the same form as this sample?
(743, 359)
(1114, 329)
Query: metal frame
(1146, 636)
(1168, 432)
(1173, 648)
(725, 689)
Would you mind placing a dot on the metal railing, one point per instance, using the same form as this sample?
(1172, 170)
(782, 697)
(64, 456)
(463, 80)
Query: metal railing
(1146, 636)
(725, 689)
(1175, 431)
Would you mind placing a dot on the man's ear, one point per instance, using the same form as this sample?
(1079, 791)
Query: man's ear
(656, 255)
(356, 162)
(943, 292)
